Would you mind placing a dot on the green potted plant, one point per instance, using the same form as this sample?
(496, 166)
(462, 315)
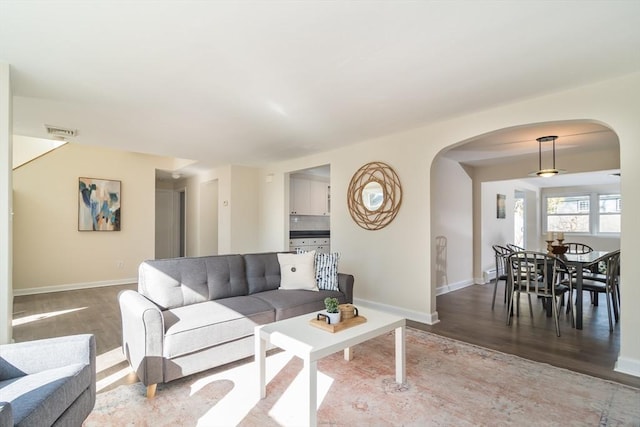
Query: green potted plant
(331, 306)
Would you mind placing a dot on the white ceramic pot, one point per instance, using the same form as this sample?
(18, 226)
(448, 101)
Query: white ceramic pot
(333, 317)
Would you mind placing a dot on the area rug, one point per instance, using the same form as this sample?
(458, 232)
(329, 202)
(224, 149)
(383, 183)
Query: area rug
(449, 383)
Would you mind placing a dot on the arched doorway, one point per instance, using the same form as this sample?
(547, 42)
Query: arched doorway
(499, 162)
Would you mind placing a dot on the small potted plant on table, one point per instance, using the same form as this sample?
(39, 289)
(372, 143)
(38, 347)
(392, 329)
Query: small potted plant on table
(331, 305)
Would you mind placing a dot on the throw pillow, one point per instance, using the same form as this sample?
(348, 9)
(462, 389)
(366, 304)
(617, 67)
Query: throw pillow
(297, 271)
(327, 271)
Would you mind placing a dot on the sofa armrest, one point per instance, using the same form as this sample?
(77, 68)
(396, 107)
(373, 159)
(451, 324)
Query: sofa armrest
(31, 357)
(142, 335)
(345, 284)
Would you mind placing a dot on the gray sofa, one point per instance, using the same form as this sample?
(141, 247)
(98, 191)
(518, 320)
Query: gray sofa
(193, 314)
(50, 382)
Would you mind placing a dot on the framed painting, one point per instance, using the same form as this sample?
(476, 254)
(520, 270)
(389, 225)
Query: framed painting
(99, 204)
(501, 206)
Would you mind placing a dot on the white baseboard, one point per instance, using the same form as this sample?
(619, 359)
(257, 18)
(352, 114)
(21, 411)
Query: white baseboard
(445, 289)
(72, 287)
(429, 319)
(628, 366)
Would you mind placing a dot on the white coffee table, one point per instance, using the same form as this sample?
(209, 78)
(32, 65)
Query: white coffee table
(311, 343)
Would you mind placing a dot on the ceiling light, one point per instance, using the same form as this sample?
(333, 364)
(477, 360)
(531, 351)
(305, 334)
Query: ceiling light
(548, 172)
(175, 175)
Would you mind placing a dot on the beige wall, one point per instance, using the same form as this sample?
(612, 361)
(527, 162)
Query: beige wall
(392, 265)
(49, 251)
(208, 235)
(243, 208)
(452, 218)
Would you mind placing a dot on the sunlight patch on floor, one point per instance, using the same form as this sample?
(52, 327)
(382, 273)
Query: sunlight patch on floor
(237, 404)
(111, 379)
(291, 408)
(108, 360)
(43, 316)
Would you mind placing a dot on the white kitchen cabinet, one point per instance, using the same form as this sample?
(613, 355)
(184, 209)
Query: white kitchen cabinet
(295, 244)
(319, 198)
(299, 190)
(311, 244)
(308, 196)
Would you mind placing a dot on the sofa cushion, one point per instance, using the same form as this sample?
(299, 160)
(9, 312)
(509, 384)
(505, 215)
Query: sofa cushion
(262, 271)
(226, 276)
(41, 398)
(297, 271)
(178, 282)
(198, 326)
(291, 302)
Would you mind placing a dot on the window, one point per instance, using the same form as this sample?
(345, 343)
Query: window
(583, 213)
(609, 213)
(568, 214)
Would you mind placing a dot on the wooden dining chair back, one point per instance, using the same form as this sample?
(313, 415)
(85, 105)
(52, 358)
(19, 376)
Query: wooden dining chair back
(538, 274)
(578, 248)
(501, 253)
(607, 283)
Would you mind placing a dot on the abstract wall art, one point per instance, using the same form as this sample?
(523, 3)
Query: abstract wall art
(99, 203)
(501, 206)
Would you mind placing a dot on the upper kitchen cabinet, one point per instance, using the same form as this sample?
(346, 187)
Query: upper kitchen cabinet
(309, 195)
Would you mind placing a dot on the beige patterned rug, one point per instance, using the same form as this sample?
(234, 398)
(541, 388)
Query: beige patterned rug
(449, 383)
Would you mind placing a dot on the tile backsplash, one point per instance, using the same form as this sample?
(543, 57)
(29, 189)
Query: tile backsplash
(309, 222)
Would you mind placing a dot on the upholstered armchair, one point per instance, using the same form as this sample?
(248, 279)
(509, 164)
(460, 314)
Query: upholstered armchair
(49, 382)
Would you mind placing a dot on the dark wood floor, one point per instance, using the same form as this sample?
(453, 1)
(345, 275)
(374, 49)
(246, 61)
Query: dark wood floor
(465, 315)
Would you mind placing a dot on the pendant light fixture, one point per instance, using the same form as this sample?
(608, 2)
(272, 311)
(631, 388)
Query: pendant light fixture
(546, 173)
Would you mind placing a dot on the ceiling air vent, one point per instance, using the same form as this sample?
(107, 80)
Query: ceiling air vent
(60, 132)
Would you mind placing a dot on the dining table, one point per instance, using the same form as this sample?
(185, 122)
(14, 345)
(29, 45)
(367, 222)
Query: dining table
(579, 261)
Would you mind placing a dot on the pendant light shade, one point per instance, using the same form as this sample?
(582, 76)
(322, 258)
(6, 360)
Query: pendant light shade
(548, 172)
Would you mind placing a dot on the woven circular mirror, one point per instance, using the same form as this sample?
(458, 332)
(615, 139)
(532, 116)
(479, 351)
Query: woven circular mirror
(374, 196)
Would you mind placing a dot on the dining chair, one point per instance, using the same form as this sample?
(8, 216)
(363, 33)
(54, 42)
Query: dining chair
(539, 274)
(607, 283)
(514, 248)
(578, 248)
(501, 253)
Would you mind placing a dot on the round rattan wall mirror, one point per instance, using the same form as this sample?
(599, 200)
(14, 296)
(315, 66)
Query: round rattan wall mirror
(374, 196)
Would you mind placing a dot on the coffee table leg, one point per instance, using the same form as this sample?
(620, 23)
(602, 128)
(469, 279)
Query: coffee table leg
(260, 355)
(348, 354)
(310, 375)
(401, 373)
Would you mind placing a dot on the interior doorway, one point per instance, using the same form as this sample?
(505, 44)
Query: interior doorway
(170, 229)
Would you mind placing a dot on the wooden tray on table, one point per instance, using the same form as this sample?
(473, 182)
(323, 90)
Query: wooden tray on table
(320, 322)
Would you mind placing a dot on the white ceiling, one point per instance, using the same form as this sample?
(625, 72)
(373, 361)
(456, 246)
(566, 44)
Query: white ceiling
(258, 81)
